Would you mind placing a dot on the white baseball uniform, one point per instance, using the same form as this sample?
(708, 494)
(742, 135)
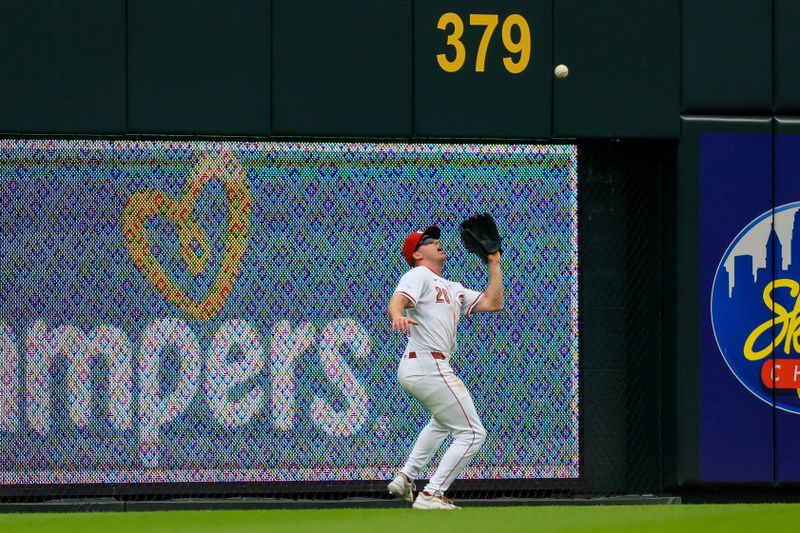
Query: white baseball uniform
(425, 373)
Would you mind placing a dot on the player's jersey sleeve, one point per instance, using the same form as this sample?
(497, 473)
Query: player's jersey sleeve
(469, 300)
(412, 284)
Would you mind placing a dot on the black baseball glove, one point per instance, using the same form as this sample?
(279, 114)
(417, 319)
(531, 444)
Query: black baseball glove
(479, 234)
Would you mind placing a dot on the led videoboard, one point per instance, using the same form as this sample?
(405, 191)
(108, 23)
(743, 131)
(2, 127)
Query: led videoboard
(216, 311)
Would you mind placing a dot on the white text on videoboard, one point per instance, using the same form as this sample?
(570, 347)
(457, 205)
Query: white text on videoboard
(110, 344)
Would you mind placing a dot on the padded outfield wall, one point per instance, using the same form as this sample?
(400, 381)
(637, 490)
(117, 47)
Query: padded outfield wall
(214, 312)
(700, 113)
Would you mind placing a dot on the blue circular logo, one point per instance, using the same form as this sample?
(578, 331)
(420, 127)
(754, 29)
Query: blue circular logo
(755, 307)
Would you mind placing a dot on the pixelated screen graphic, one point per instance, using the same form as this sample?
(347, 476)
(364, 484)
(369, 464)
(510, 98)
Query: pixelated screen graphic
(216, 311)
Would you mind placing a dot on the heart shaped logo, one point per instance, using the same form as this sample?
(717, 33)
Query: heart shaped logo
(194, 244)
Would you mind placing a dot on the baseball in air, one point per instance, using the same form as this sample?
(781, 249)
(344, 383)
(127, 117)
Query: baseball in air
(561, 71)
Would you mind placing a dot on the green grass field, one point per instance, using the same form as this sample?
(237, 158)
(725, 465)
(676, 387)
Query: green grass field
(617, 518)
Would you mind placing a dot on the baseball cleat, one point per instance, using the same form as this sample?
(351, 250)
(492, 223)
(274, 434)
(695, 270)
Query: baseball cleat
(426, 501)
(402, 488)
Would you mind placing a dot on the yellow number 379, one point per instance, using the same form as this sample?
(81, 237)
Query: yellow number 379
(521, 45)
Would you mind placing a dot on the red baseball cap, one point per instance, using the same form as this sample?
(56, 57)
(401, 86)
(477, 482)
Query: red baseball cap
(412, 242)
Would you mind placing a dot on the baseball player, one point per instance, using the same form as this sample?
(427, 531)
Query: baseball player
(426, 307)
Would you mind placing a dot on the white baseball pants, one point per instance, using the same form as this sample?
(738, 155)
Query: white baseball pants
(436, 386)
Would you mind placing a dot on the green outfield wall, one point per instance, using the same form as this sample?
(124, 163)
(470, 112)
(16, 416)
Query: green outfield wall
(653, 89)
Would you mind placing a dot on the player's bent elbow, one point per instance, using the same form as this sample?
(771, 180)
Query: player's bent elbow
(497, 306)
(490, 307)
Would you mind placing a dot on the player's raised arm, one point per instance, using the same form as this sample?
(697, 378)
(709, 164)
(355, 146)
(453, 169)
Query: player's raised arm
(397, 305)
(492, 299)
